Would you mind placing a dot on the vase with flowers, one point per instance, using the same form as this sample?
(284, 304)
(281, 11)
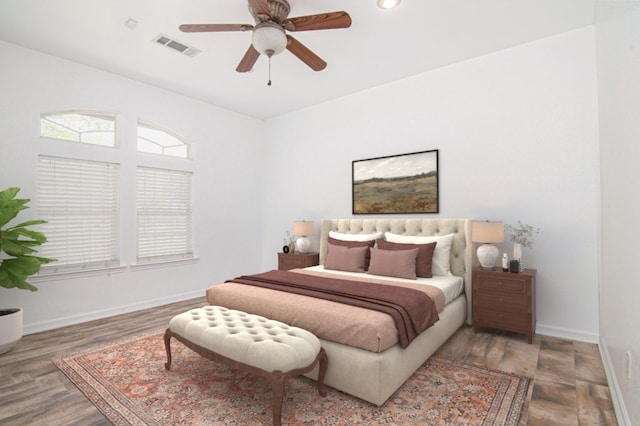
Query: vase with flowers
(289, 243)
(522, 236)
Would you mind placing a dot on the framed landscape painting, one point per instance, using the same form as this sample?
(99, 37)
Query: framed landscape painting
(406, 183)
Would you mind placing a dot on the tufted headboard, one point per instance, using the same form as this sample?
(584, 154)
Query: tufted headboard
(461, 251)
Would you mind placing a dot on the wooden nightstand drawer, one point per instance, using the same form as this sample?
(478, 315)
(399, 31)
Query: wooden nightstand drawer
(291, 261)
(502, 285)
(516, 321)
(503, 302)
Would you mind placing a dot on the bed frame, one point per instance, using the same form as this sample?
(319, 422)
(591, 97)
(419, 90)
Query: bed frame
(372, 376)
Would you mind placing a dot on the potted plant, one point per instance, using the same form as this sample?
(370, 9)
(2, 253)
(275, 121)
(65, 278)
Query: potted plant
(17, 261)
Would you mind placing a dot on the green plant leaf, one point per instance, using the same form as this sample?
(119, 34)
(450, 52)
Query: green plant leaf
(44, 260)
(9, 280)
(10, 207)
(29, 223)
(23, 266)
(15, 248)
(33, 236)
(17, 242)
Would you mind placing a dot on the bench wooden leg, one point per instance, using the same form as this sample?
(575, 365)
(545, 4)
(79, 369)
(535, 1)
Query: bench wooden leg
(167, 346)
(277, 385)
(322, 370)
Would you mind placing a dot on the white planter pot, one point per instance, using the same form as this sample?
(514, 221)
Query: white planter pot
(10, 328)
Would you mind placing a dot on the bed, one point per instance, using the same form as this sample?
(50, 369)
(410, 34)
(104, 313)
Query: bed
(371, 371)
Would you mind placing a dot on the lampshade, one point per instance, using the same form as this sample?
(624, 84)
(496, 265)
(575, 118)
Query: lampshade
(487, 233)
(269, 39)
(302, 229)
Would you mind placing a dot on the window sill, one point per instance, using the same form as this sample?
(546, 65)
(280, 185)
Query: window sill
(63, 275)
(163, 264)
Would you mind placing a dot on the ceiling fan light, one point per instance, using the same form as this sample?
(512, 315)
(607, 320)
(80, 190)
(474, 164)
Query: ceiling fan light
(269, 39)
(388, 4)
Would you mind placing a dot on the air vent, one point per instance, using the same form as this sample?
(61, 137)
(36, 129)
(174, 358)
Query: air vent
(176, 45)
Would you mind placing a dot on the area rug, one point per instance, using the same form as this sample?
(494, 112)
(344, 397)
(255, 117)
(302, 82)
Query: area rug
(126, 380)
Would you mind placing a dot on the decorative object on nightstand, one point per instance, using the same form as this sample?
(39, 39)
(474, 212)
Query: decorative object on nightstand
(521, 235)
(289, 243)
(505, 301)
(288, 261)
(487, 233)
(303, 229)
(505, 262)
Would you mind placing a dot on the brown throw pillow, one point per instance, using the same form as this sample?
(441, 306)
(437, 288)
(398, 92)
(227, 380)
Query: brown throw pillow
(343, 258)
(345, 243)
(393, 263)
(424, 259)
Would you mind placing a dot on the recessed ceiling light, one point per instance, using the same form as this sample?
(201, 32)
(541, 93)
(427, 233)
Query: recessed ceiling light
(388, 4)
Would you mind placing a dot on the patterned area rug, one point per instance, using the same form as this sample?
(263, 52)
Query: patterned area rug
(127, 382)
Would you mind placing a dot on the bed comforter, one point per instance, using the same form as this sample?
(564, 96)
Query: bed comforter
(357, 326)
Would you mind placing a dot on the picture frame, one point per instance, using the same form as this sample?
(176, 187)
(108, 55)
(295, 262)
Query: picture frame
(396, 184)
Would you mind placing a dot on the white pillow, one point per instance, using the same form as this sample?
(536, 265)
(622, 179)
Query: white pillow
(441, 255)
(355, 237)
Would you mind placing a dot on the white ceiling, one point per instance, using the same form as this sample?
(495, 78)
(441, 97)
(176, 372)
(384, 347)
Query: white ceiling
(381, 46)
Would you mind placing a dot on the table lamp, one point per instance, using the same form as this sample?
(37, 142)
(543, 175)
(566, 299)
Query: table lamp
(487, 233)
(303, 229)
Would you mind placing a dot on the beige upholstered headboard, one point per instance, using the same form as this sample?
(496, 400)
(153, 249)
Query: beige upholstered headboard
(461, 251)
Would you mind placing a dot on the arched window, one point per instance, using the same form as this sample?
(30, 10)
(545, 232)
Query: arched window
(156, 140)
(93, 128)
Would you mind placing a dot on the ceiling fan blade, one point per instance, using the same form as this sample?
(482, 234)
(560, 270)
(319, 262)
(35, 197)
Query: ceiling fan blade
(248, 60)
(321, 21)
(204, 28)
(305, 55)
(259, 7)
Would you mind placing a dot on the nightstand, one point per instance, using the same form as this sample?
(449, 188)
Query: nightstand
(505, 300)
(288, 261)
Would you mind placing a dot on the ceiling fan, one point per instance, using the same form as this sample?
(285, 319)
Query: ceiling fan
(269, 33)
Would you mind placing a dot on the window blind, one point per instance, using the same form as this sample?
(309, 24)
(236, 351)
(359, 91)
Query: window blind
(79, 199)
(164, 215)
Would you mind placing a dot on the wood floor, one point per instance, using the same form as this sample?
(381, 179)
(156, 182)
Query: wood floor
(569, 383)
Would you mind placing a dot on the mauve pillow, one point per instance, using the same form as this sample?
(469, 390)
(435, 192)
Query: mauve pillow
(423, 260)
(393, 263)
(346, 243)
(441, 264)
(343, 258)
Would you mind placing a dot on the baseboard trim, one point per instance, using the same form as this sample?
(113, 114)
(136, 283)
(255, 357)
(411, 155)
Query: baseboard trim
(619, 406)
(567, 333)
(94, 315)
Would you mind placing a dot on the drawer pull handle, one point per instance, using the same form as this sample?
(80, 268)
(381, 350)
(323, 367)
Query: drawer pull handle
(501, 299)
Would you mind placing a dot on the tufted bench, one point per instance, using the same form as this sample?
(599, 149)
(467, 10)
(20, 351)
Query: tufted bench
(267, 348)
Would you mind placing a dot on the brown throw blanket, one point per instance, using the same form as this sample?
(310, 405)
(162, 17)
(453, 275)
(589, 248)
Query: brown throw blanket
(412, 310)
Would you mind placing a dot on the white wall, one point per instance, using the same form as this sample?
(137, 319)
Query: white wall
(228, 152)
(517, 134)
(618, 47)
(517, 138)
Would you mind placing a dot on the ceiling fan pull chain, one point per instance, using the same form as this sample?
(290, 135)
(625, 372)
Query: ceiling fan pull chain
(269, 82)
